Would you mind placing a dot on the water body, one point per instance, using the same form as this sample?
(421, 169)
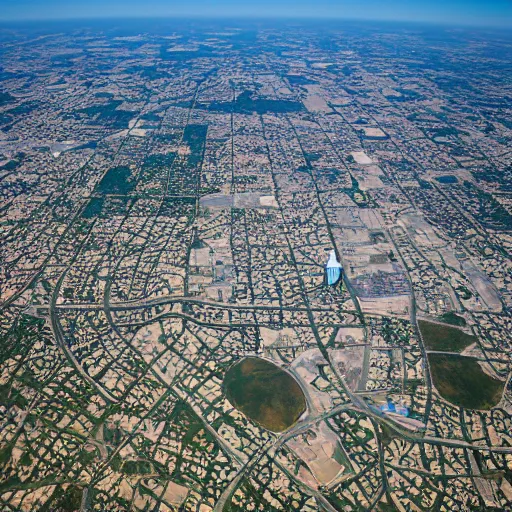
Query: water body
(447, 180)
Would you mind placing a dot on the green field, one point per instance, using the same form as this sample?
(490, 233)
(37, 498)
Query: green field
(245, 103)
(444, 338)
(461, 381)
(452, 319)
(264, 393)
(117, 180)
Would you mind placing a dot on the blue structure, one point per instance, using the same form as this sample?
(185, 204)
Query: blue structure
(391, 407)
(333, 269)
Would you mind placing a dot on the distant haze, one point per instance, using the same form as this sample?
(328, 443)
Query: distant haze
(454, 12)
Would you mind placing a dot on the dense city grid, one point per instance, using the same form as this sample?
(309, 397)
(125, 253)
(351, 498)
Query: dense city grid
(170, 197)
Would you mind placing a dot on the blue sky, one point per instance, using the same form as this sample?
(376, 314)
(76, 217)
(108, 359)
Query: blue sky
(478, 12)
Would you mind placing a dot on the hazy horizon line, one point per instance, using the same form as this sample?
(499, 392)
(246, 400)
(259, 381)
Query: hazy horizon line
(506, 26)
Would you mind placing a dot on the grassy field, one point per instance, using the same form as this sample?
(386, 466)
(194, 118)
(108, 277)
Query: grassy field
(117, 180)
(264, 393)
(461, 381)
(444, 338)
(452, 319)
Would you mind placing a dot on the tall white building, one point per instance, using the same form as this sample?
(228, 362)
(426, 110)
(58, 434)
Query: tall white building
(333, 269)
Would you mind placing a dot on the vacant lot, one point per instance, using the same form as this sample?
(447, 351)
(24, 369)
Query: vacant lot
(264, 393)
(461, 381)
(444, 338)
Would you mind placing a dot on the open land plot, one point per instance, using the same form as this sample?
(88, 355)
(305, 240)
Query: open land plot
(444, 338)
(461, 381)
(453, 319)
(265, 393)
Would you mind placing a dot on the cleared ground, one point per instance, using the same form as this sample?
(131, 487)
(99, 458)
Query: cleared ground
(264, 393)
(461, 381)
